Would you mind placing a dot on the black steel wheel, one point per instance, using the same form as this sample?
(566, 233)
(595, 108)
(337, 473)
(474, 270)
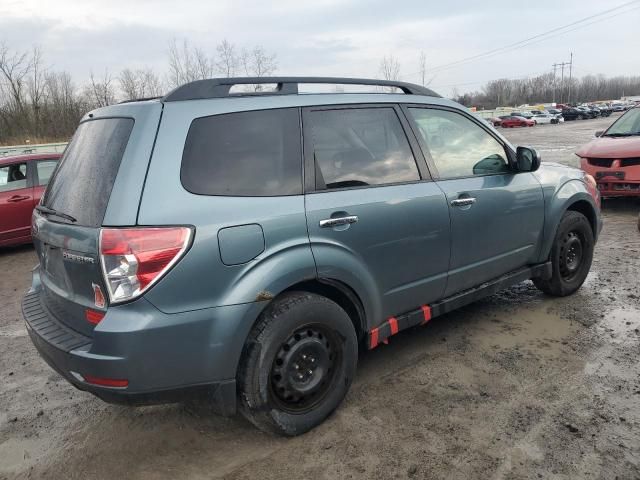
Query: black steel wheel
(571, 256)
(297, 364)
(304, 368)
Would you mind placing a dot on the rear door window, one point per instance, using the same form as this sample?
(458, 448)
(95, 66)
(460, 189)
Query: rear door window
(83, 181)
(13, 177)
(358, 147)
(255, 153)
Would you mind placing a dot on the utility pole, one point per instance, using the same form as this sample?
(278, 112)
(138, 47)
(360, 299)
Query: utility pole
(570, 71)
(554, 82)
(561, 65)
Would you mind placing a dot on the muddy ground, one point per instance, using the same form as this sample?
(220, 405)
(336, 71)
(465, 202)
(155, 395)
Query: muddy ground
(519, 385)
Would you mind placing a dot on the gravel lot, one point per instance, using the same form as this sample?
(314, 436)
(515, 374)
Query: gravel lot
(516, 386)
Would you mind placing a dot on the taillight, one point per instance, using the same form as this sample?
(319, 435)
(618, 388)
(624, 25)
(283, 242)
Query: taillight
(133, 259)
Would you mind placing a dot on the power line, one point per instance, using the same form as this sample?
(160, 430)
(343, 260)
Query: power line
(539, 37)
(526, 41)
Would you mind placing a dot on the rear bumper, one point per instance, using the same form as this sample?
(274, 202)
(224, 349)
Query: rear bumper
(163, 357)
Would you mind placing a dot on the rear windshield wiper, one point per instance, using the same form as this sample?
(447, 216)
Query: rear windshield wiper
(51, 211)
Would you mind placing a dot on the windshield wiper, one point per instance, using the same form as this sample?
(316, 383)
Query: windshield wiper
(618, 134)
(51, 211)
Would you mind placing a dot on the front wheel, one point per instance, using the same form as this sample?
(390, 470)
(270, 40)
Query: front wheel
(571, 256)
(297, 364)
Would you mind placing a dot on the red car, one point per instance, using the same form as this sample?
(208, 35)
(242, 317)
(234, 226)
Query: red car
(613, 158)
(23, 179)
(515, 121)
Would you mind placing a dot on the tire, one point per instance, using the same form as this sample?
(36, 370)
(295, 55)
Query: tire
(571, 256)
(299, 334)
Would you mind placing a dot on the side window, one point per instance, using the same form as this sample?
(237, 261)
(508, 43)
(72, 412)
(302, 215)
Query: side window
(45, 169)
(13, 177)
(256, 153)
(360, 146)
(459, 147)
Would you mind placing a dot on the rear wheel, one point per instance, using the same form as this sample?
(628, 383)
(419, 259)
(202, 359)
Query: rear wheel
(297, 364)
(571, 256)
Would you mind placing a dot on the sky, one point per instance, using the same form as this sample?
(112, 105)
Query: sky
(333, 37)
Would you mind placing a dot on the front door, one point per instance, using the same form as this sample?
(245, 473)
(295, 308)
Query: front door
(497, 215)
(16, 203)
(376, 221)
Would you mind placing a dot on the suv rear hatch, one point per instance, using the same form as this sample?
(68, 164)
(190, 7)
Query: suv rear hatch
(106, 150)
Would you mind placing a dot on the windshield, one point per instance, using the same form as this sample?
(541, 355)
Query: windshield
(627, 124)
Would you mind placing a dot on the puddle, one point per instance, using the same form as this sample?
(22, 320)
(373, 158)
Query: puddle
(621, 324)
(535, 328)
(620, 328)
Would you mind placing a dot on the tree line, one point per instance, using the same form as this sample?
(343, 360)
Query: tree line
(547, 88)
(39, 104)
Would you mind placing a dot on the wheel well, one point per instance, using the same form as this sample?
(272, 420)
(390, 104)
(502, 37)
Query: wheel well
(585, 208)
(342, 295)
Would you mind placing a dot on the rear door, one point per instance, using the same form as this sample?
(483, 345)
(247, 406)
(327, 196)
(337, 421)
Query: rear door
(376, 221)
(16, 203)
(496, 214)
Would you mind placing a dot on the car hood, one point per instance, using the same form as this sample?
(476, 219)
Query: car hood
(611, 147)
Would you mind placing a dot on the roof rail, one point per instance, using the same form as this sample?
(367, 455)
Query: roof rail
(221, 87)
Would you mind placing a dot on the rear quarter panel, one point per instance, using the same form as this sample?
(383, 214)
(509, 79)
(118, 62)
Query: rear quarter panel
(202, 279)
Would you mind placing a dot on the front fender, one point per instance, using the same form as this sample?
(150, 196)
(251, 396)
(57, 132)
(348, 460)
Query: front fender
(568, 194)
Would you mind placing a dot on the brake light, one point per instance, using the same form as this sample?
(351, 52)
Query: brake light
(93, 316)
(133, 259)
(106, 382)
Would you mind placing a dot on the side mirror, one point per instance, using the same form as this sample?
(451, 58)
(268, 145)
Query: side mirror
(599, 133)
(527, 159)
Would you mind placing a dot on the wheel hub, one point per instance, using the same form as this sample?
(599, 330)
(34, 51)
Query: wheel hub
(303, 368)
(571, 255)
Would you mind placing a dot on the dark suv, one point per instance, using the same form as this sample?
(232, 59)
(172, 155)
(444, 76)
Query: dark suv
(242, 247)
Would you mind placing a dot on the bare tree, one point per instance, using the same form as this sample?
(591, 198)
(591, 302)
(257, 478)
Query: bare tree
(101, 92)
(36, 87)
(228, 61)
(390, 68)
(14, 69)
(187, 63)
(141, 83)
(423, 67)
(257, 62)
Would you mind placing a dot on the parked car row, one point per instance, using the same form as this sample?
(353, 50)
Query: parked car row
(526, 119)
(585, 112)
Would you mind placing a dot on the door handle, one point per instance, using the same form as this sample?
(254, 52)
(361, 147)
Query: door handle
(335, 222)
(462, 202)
(18, 198)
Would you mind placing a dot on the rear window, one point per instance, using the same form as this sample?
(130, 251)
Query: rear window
(82, 183)
(255, 153)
